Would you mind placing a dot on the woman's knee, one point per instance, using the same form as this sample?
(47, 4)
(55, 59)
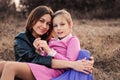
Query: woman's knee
(2, 64)
(10, 66)
(20, 70)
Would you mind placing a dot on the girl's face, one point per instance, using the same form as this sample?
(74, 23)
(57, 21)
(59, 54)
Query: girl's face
(42, 25)
(61, 27)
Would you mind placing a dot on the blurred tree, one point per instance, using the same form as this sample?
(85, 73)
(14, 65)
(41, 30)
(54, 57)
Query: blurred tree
(6, 8)
(4, 5)
(89, 8)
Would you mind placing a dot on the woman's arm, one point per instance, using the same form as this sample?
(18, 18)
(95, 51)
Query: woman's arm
(76, 65)
(23, 50)
(83, 65)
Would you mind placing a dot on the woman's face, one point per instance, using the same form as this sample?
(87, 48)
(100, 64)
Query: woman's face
(61, 26)
(42, 25)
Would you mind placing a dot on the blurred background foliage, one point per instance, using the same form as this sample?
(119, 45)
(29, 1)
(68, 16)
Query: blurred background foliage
(101, 9)
(100, 37)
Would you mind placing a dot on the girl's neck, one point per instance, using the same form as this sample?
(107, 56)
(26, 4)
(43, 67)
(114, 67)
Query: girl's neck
(65, 36)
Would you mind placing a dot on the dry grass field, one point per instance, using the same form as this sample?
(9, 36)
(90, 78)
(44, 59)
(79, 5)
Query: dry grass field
(100, 37)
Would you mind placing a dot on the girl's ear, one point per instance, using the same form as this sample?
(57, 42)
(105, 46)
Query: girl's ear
(71, 24)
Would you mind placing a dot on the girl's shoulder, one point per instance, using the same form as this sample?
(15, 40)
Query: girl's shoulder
(73, 38)
(53, 39)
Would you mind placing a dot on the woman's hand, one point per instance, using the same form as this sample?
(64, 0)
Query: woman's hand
(36, 43)
(83, 65)
(41, 45)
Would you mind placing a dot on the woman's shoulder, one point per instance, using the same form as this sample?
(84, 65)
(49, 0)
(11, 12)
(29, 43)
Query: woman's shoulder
(21, 34)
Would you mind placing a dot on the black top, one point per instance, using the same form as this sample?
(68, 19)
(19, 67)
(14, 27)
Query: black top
(26, 52)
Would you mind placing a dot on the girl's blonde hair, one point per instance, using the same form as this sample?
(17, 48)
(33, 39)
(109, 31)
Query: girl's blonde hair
(66, 15)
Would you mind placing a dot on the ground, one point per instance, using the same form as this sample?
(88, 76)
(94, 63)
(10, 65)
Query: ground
(100, 37)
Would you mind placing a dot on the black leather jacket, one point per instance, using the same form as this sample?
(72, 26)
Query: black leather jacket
(25, 51)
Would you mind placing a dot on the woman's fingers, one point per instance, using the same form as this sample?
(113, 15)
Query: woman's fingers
(83, 66)
(89, 69)
(86, 72)
(88, 65)
(92, 59)
(36, 43)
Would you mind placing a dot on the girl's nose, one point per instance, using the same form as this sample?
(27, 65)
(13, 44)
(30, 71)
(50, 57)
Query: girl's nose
(58, 27)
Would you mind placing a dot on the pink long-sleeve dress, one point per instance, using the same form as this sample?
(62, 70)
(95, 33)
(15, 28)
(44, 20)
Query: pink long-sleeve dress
(66, 49)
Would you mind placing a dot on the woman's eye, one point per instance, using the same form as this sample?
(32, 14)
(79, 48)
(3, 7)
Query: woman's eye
(41, 20)
(49, 23)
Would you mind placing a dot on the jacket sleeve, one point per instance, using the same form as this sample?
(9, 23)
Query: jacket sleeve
(24, 52)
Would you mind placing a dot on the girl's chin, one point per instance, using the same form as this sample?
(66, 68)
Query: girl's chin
(60, 37)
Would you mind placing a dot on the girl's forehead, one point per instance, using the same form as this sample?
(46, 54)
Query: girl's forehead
(60, 16)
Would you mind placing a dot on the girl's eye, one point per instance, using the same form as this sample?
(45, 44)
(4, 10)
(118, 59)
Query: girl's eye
(54, 25)
(62, 24)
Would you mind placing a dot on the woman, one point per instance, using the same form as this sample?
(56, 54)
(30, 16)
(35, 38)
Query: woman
(38, 25)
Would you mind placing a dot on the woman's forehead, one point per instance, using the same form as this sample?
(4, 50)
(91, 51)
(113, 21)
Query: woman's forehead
(46, 17)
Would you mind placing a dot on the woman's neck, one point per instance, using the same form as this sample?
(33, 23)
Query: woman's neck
(35, 35)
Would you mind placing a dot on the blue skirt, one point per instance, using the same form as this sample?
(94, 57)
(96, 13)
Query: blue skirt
(75, 75)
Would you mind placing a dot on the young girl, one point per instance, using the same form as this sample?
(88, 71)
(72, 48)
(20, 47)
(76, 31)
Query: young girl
(62, 24)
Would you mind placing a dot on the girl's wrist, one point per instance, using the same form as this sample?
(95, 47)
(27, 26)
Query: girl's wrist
(51, 52)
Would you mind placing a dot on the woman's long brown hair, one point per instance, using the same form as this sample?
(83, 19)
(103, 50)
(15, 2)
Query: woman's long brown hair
(35, 15)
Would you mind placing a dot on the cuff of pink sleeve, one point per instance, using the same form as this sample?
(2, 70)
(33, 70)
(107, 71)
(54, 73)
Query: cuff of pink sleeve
(52, 53)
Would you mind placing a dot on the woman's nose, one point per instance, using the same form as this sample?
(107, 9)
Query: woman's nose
(44, 25)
